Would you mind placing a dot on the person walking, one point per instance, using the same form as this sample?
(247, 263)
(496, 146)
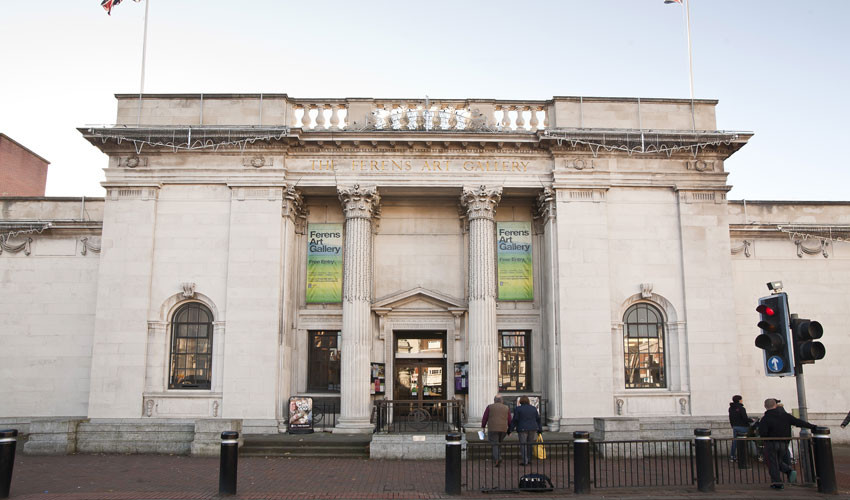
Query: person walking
(497, 421)
(740, 423)
(776, 423)
(526, 422)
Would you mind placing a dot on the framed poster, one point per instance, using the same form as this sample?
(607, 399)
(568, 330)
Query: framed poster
(462, 378)
(324, 263)
(300, 415)
(514, 261)
(378, 378)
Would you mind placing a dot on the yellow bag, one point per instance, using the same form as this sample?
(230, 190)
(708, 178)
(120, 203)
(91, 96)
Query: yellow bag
(539, 450)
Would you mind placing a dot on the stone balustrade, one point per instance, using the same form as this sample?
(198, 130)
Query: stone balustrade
(418, 115)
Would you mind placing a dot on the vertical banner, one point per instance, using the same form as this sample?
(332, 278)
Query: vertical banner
(324, 263)
(513, 252)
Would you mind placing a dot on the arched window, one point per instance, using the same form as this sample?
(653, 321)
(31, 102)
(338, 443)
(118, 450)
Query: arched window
(643, 347)
(191, 347)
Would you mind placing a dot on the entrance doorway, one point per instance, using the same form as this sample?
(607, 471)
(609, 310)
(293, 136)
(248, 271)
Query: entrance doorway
(419, 370)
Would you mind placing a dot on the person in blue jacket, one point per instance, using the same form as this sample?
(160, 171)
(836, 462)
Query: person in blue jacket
(526, 422)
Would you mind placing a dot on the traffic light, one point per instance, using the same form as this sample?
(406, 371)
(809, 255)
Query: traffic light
(775, 337)
(806, 350)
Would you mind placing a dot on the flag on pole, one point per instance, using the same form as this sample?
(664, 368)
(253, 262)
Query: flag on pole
(665, 1)
(108, 4)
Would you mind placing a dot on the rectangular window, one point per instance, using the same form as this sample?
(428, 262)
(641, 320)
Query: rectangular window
(324, 361)
(513, 360)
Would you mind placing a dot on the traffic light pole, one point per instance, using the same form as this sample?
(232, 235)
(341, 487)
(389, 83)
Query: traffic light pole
(805, 444)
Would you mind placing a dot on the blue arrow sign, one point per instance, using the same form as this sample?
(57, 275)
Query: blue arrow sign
(775, 364)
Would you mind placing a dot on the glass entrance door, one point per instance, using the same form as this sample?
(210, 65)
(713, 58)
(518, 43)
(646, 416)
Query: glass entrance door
(420, 380)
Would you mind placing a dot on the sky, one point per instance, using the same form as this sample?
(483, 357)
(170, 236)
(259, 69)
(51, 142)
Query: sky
(778, 68)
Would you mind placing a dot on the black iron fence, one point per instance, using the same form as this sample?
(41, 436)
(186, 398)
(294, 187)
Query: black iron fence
(748, 464)
(648, 463)
(418, 416)
(658, 462)
(325, 413)
(482, 472)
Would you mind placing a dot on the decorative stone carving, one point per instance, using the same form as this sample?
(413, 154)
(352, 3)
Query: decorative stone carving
(149, 407)
(188, 290)
(133, 161)
(26, 246)
(359, 202)
(294, 209)
(579, 163)
(700, 165)
(646, 290)
(546, 205)
(620, 404)
(88, 247)
(822, 248)
(744, 247)
(257, 161)
(683, 406)
(480, 202)
(215, 406)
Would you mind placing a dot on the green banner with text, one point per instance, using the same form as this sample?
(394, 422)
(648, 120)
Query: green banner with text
(513, 252)
(324, 263)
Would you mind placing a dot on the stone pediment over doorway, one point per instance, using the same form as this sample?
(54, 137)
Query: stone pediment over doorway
(419, 300)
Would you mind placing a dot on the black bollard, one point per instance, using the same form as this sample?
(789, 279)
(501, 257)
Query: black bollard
(581, 455)
(229, 463)
(8, 442)
(453, 463)
(705, 469)
(742, 450)
(824, 463)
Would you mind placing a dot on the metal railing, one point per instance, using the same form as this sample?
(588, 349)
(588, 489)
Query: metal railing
(662, 462)
(480, 472)
(325, 412)
(418, 416)
(749, 465)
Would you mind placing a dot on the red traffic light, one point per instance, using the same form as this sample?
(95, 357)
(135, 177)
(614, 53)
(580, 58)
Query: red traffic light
(763, 309)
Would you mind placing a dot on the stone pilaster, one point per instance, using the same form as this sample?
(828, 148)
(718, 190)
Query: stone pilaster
(546, 213)
(294, 215)
(360, 205)
(480, 204)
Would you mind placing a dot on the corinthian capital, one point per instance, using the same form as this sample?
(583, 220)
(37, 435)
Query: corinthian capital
(359, 202)
(480, 202)
(546, 205)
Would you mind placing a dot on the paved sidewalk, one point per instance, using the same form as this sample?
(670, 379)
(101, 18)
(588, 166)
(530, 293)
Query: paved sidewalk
(94, 477)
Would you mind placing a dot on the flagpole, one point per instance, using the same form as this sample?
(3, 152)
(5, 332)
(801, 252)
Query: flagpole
(690, 61)
(144, 56)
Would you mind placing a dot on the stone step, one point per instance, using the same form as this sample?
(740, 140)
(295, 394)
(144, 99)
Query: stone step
(311, 445)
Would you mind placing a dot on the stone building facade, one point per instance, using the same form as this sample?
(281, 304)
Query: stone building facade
(252, 248)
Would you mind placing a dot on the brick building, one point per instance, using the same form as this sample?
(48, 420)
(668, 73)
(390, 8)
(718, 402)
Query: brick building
(22, 172)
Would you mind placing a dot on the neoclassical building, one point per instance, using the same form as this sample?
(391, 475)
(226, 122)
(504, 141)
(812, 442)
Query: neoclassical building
(252, 248)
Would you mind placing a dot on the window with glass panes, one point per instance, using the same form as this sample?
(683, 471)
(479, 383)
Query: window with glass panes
(513, 360)
(191, 347)
(324, 361)
(643, 338)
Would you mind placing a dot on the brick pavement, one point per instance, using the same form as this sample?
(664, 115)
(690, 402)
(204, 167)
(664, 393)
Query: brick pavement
(119, 477)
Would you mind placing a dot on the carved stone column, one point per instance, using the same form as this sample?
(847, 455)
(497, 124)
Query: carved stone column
(360, 205)
(294, 215)
(546, 213)
(480, 204)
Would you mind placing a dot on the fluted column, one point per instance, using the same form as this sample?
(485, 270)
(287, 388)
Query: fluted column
(546, 213)
(480, 204)
(360, 205)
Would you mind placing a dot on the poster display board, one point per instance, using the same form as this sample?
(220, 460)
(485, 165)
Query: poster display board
(513, 260)
(300, 415)
(378, 378)
(324, 263)
(462, 378)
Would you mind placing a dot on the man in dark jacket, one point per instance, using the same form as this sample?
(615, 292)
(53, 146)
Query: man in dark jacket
(526, 422)
(740, 423)
(776, 423)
